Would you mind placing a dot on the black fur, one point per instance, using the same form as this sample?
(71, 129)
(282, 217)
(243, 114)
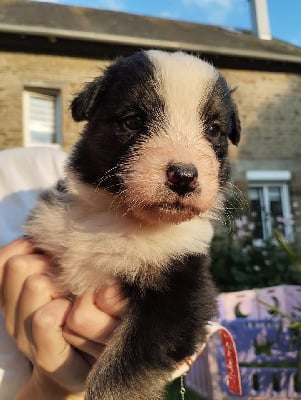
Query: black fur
(222, 122)
(127, 89)
(164, 327)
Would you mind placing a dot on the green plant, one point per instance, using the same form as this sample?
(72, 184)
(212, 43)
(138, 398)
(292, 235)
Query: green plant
(239, 262)
(288, 250)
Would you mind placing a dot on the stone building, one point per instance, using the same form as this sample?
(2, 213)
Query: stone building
(47, 51)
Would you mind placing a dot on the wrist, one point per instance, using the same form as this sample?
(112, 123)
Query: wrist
(41, 387)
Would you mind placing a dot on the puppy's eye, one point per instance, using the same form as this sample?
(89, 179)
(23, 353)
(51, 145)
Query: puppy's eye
(214, 130)
(133, 123)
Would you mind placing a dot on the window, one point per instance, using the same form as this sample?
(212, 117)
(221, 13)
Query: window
(42, 117)
(270, 203)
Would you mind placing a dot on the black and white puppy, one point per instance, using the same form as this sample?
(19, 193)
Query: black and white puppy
(142, 184)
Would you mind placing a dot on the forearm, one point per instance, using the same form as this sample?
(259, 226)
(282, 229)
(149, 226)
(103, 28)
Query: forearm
(42, 388)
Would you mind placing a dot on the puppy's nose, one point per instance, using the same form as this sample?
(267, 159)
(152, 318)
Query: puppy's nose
(182, 178)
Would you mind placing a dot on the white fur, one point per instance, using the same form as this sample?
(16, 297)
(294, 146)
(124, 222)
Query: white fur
(185, 82)
(96, 245)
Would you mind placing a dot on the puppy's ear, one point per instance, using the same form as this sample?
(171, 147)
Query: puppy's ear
(83, 105)
(234, 135)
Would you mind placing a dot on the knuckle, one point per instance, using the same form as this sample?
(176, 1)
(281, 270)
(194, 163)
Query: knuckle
(77, 319)
(109, 298)
(36, 284)
(42, 321)
(15, 263)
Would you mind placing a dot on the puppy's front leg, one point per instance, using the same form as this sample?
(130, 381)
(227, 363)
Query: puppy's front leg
(124, 371)
(161, 328)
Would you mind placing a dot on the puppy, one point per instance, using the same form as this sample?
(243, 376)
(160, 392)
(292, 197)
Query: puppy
(142, 184)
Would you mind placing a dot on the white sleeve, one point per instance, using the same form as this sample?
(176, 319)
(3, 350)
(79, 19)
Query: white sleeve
(15, 369)
(24, 173)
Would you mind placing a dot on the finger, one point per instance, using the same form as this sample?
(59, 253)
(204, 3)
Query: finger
(92, 348)
(87, 321)
(37, 290)
(47, 324)
(18, 247)
(53, 353)
(111, 301)
(17, 269)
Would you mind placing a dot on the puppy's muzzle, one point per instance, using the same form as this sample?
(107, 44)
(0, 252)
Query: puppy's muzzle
(181, 178)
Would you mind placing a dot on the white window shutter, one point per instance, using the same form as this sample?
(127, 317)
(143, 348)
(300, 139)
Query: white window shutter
(42, 117)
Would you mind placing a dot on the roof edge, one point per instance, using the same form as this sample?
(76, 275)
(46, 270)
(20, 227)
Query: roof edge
(145, 42)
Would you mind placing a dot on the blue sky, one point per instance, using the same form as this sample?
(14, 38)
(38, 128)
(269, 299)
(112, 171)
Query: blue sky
(285, 15)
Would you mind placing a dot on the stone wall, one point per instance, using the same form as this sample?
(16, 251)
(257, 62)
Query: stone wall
(270, 111)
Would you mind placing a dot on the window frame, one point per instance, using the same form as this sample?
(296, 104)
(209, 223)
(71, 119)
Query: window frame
(42, 92)
(265, 180)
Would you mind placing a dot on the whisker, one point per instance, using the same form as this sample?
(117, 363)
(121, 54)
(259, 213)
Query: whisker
(232, 205)
(117, 198)
(136, 202)
(106, 176)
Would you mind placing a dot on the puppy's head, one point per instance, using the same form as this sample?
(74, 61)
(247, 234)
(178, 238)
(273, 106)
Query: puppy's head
(156, 136)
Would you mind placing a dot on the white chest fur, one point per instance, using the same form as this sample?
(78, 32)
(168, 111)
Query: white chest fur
(95, 248)
(104, 247)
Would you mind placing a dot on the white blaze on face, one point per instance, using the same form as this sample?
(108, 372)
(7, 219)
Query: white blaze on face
(184, 84)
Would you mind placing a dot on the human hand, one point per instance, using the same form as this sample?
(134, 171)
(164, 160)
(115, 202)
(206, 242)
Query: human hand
(48, 328)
